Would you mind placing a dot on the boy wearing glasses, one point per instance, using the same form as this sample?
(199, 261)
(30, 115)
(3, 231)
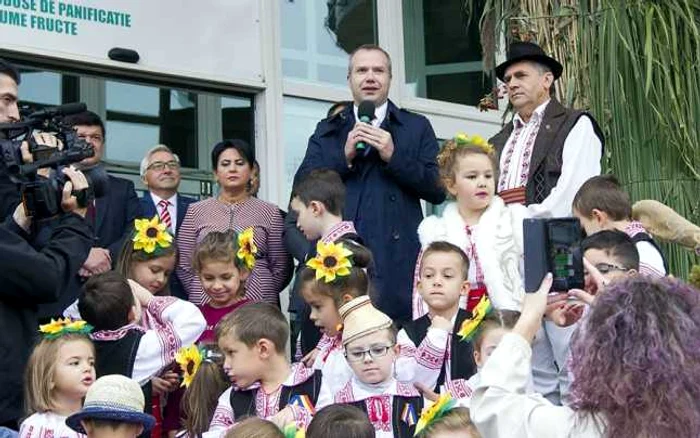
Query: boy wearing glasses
(613, 253)
(253, 339)
(601, 204)
(369, 340)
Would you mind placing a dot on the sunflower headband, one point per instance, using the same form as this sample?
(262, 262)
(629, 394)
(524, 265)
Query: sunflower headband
(332, 261)
(151, 236)
(470, 326)
(437, 410)
(59, 327)
(462, 139)
(190, 359)
(247, 249)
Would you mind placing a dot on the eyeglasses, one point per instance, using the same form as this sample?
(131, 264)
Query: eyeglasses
(159, 165)
(604, 268)
(375, 352)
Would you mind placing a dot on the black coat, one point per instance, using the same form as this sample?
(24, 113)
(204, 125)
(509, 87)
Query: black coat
(383, 199)
(30, 277)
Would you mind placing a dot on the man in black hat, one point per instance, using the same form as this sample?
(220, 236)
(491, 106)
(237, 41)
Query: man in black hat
(548, 151)
(545, 154)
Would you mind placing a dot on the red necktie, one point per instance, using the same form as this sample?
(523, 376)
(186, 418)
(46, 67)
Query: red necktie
(165, 214)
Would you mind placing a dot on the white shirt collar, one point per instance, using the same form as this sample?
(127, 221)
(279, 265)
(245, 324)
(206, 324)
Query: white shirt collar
(536, 115)
(156, 199)
(379, 113)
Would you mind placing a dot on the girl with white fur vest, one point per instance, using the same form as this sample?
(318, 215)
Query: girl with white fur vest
(479, 222)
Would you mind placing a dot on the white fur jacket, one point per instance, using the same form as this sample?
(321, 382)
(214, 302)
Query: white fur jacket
(499, 244)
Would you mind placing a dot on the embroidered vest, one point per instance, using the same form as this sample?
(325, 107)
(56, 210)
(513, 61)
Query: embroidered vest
(243, 402)
(401, 428)
(546, 161)
(462, 365)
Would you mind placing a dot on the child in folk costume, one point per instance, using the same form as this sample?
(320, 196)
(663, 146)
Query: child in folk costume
(252, 340)
(60, 371)
(113, 408)
(479, 223)
(333, 277)
(223, 261)
(122, 345)
(318, 200)
(369, 340)
(432, 342)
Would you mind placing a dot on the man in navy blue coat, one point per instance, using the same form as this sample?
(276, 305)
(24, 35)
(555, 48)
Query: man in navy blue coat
(386, 181)
(160, 172)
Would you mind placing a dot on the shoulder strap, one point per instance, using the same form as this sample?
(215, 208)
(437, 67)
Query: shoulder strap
(644, 237)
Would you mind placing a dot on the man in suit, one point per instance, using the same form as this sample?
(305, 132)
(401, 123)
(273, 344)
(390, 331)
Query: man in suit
(160, 173)
(385, 181)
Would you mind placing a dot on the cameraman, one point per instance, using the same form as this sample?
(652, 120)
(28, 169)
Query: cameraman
(9, 113)
(30, 277)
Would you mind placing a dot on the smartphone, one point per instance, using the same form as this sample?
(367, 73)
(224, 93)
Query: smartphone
(553, 245)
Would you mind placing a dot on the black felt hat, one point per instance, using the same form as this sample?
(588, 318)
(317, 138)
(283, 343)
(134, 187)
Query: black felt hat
(524, 51)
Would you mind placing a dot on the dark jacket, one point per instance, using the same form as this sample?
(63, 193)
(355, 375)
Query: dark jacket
(546, 161)
(30, 277)
(147, 209)
(383, 199)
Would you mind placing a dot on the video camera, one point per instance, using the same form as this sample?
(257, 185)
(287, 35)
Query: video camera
(41, 196)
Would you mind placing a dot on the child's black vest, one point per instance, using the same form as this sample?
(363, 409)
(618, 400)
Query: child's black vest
(644, 237)
(118, 357)
(243, 402)
(462, 365)
(401, 428)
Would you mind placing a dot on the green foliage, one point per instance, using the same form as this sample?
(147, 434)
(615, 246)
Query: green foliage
(634, 65)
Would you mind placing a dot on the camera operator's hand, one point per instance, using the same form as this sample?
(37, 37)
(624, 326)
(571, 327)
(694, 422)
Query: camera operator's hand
(77, 182)
(44, 139)
(21, 219)
(98, 261)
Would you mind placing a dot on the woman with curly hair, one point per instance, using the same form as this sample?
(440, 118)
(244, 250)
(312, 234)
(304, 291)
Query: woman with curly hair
(635, 363)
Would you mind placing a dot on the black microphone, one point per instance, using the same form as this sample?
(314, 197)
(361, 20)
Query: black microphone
(365, 112)
(61, 110)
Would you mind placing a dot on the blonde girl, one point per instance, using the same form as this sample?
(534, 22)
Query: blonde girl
(61, 369)
(479, 223)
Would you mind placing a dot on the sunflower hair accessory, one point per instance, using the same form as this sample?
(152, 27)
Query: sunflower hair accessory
(247, 249)
(292, 431)
(59, 327)
(462, 139)
(190, 359)
(151, 236)
(434, 412)
(470, 326)
(332, 260)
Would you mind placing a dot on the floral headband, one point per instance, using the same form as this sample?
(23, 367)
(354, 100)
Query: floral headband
(332, 260)
(462, 139)
(247, 249)
(190, 359)
(437, 410)
(151, 236)
(470, 326)
(292, 431)
(59, 327)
